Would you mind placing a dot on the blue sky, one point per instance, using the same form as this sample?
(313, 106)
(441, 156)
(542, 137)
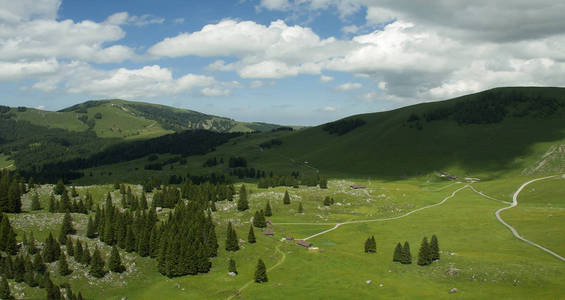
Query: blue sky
(301, 62)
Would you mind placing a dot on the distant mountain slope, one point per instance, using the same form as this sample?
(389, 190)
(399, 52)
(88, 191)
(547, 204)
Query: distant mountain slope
(120, 118)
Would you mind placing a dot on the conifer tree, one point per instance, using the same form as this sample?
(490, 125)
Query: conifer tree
(259, 219)
(90, 229)
(86, 257)
(397, 257)
(327, 201)
(373, 248)
(8, 241)
(63, 266)
(35, 205)
(78, 251)
(424, 257)
(38, 264)
(143, 201)
(251, 235)
(65, 202)
(14, 198)
(30, 247)
(268, 211)
(51, 207)
(19, 269)
(286, 198)
(97, 264)
(300, 208)
(242, 203)
(130, 240)
(74, 192)
(70, 247)
(232, 267)
(261, 272)
(434, 248)
(9, 267)
(108, 228)
(53, 292)
(367, 245)
(67, 226)
(62, 238)
(51, 249)
(5, 289)
(232, 244)
(143, 242)
(115, 261)
(59, 187)
(154, 244)
(406, 255)
(212, 241)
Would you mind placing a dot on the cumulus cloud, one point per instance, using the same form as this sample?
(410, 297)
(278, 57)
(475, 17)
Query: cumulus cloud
(215, 92)
(349, 86)
(124, 18)
(325, 78)
(23, 10)
(10, 71)
(275, 4)
(259, 84)
(329, 108)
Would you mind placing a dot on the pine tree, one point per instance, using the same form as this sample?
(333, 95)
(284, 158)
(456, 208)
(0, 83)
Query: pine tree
(286, 198)
(300, 208)
(115, 261)
(367, 245)
(86, 257)
(8, 241)
(397, 257)
(53, 292)
(62, 238)
(251, 235)
(259, 219)
(30, 247)
(154, 244)
(323, 182)
(67, 226)
(51, 249)
(108, 228)
(97, 264)
(268, 211)
(35, 205)
(5, 289)
(212, 241)
(373, 245)
(70, 248)
(261, 272)
(242, 203)
(78, 251)
(406, 255)
(232, 268)
(59, 187)
(434, 248)
(143, 201)
(90, 229)
(327, 201)
(63, 266)
(232, 243)
(38, 264)
(65, 202)
(424, 253)
(19, 269)
(51, 208)
(130, 240)
(74, 192)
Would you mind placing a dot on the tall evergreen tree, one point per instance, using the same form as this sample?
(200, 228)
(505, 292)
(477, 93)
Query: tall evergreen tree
(51, 249)
(90, 229)
(251, 235)
(5, 289)
(35, 204)
(130, 240)
(78, 251)
(232, 267)
(143, 201)
(38, 264)
(14, 198)
(52, 206)
(8, 241)
(397, 257)
(65, 202)
(63, 266)
(232, 244)
(115, 261)
(69, 247)
(259, 219)
(300, 208)
(268, 211)
(242, 203)
(19, 268)
(62, 238)
(367, 245)
(424, 257)
(53, 292)
(59, 187)
(286, 198)
(212, 241)
(406, 255)
(86, 257)
(67, 226)
(97, 264)
(434, 248)
(261, 272)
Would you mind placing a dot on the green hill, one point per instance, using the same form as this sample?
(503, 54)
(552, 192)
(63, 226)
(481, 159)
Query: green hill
(499, 132)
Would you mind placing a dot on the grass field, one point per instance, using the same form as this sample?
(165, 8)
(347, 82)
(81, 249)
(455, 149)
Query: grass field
(480, 257)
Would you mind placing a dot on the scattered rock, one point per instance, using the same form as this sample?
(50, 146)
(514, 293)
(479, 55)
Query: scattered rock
(368, 281)
(381, 285)
(453, 290)
(232, 274)
(453, 271)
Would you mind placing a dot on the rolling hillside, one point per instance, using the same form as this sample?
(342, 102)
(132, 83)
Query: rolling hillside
(499, 132)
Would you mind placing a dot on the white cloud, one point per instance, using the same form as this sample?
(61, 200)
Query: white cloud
(325, 78)
(349, 86)
(275, 4)
(10, 71)
(379, 15)
(259, 83)
(215, 92)
(350, 29)
(178, 20)
(23, 10)
(124, 18)
(329, 108)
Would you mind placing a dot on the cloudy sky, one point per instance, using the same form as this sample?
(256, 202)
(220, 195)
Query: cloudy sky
(281, 61)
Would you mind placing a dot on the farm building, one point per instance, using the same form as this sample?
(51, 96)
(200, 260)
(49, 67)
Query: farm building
(304, 243)
(289, 238)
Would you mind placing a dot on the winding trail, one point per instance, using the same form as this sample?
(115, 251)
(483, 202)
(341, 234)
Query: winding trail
(514, 204)
(386, 219)
(283, 257)
(487, 196)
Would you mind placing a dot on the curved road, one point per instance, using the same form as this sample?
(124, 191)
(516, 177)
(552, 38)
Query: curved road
(514, 204)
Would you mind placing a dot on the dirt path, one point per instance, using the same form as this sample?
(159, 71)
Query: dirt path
(487, 196)
(283, 257)
(387, 219)
(514, 204)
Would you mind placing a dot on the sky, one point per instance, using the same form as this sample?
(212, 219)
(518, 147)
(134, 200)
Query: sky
(292, 62)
